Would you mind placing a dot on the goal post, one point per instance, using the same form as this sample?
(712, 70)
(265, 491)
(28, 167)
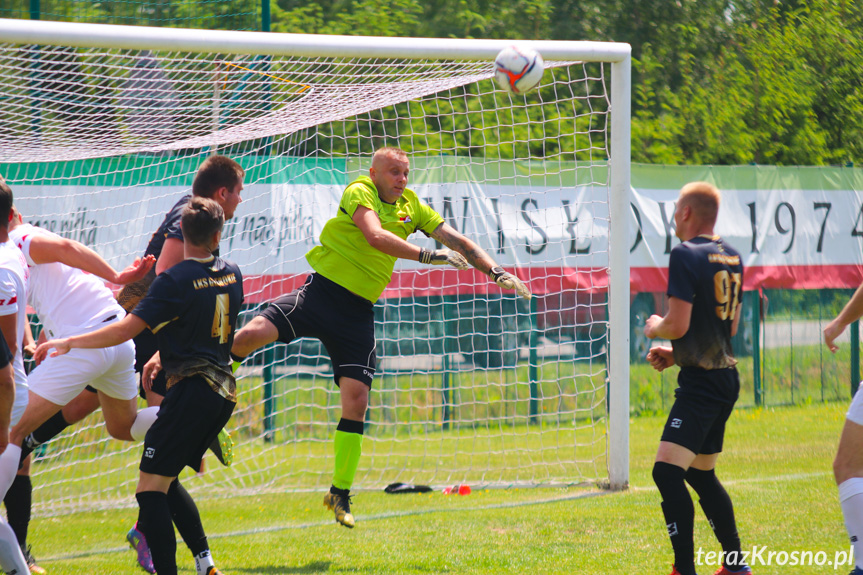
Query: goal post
(106, 125)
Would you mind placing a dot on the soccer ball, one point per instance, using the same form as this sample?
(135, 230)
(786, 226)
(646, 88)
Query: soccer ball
(518, 70)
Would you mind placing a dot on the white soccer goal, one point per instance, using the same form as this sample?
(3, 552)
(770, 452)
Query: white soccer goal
(104, 127)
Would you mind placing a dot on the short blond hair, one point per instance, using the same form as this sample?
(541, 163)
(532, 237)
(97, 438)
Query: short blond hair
(703, 198)
(391, 151)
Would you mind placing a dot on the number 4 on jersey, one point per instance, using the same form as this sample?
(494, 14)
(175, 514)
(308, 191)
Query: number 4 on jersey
(221, 320)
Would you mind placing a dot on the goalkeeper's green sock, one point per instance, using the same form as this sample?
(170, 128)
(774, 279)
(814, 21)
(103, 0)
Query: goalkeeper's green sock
(348, 448)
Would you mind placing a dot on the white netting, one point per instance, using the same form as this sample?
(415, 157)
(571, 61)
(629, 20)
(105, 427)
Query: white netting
(474, 386)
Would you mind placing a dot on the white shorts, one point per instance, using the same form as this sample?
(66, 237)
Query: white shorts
(855, 412)
(110, 370)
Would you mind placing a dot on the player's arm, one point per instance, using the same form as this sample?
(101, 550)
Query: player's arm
(852, 311)
(7, 393)
(674, 325)
(29, 343)
(478, 258)
(735, 323)
(9, 327)
(45, 249)
(387, 242)
(108, 336)
(7, 398)
(660, 357)
(172, 254)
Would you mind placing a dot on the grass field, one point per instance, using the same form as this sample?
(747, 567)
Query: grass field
(777, 468)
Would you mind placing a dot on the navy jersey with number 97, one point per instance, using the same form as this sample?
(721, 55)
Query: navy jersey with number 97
(707, 273)
(192, 308)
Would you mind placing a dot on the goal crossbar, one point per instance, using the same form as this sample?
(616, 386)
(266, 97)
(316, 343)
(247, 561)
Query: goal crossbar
(320, 45)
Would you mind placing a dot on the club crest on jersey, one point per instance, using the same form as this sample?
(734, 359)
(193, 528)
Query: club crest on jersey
(405, 219)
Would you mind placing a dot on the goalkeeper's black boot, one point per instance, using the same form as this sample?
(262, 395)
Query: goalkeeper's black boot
(339, 501)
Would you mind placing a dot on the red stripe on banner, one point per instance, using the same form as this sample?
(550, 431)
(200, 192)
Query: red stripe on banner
(766, 277)
(550, 280)
(440, 281)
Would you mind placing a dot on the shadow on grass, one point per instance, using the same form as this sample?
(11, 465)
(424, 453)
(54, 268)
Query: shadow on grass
(313, 567)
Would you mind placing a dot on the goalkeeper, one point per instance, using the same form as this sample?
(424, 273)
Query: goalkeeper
(352, 266)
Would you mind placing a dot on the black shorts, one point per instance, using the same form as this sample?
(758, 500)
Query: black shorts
(703, 403)
(145, 346)
(190, 418)
(342, 320)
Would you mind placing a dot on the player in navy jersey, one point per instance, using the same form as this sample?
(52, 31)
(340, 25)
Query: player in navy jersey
(192, 308)
(221, 179)
(705, 277)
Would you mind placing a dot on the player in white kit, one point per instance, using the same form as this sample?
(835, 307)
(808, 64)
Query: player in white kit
(14, 278)
(69, 301)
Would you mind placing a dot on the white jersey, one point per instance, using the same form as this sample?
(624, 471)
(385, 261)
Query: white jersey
(14, 278)
(67, 300)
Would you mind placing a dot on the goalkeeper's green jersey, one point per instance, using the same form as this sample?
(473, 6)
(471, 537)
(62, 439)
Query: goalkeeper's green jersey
(345, 256)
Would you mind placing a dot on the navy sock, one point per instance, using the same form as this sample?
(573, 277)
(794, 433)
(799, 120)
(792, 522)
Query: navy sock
(185, 515)
(679, 514)
(51, 428)
(719, 510)
(154, 521)
(18, 502)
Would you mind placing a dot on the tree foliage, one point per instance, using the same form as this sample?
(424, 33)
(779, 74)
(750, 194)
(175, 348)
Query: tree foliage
(714, 81)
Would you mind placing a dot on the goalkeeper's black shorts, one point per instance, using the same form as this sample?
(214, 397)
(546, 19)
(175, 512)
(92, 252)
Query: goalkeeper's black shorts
(343, 321)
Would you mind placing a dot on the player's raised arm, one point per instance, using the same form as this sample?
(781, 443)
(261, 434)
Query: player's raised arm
(46, 249)
(478, 258)
(171, 255)
(108, 336)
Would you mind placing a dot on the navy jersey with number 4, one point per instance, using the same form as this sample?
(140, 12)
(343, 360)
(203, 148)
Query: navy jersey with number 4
(192, 308)
(707, 273)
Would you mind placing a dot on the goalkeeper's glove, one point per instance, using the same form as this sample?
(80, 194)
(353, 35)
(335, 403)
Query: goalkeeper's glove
(443, 257)
(507, 280)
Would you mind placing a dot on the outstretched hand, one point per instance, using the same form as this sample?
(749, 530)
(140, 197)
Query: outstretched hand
(60, 347)
(136, 271)
(507, 280)
(443, 257)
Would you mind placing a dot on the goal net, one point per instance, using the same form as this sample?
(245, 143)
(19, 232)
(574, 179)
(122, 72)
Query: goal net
(104, 128)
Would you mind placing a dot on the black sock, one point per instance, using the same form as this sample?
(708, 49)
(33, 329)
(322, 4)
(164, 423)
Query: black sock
(185, 514)
(18, 501)
(154, 521)
(719, 510)
(679, 514)
(51, 428)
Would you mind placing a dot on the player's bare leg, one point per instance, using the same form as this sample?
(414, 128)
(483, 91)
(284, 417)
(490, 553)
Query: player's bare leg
(254, 335)
(848, 470)
(80, 407)
(123, 420)
(348, 448)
